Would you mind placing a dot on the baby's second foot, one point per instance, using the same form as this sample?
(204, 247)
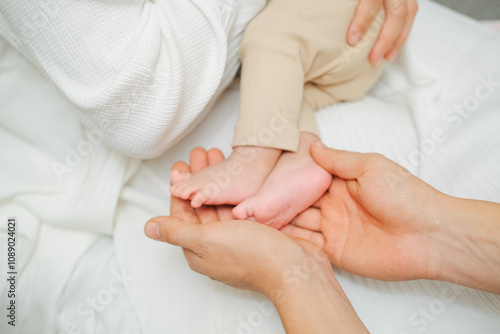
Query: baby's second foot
(229, 181)
(295, 184)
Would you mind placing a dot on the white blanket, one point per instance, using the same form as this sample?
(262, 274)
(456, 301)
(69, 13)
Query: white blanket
(141, 72)
(436, 110)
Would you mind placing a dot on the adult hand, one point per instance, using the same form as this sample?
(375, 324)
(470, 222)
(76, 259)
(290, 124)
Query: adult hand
(380, 221)
(375, 218)
(399, 16)
(242, 254)
(294, 274)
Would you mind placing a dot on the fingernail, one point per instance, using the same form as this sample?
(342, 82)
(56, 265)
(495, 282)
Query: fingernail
(377, 60)
(152, 230)
(320, 144)
(354, 38)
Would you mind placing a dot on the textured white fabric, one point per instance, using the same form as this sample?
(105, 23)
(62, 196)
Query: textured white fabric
(61, 266)
(137, 74)
(61, 211)
(140, 71)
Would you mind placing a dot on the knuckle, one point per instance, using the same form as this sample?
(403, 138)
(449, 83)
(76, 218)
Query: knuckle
(362, 25)
(385, 41)
(398, 9)
(169, 235)
(362, 21)
(374, 4)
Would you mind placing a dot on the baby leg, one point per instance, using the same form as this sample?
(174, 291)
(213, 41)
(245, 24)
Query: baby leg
(295, 183)
(228, 182)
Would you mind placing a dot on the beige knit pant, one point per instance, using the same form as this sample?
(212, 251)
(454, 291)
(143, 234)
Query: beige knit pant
(296, 60)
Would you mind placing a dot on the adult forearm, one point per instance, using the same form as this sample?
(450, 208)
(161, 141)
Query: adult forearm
(316, 304)
(467, 240)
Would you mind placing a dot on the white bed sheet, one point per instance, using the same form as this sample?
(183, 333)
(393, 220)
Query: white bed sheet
(446, 59)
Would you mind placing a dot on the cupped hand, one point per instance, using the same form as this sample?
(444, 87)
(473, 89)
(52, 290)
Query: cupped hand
(376, 218)
(399, 16)
(242, 254)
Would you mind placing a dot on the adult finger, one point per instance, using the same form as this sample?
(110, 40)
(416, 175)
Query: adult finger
(198, 159)
(344, 164)
(302, 233)
(213, 213)
(182, 209)
(173, 230)
(178, 207)
(396, 14)
(363, 18)
(309, 219)
(207, 214)
(215, 156)
(179, 168)
(225, 212)
(412, 8)
(210, 214)
(317, 204)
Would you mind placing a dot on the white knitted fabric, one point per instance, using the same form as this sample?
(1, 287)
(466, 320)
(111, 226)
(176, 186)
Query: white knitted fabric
(141, 72)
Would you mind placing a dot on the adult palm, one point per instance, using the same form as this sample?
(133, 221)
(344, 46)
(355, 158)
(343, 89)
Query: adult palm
(376, 220)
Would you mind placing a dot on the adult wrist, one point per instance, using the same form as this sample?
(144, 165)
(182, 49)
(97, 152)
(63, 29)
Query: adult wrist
(310, 300)
(467, 244)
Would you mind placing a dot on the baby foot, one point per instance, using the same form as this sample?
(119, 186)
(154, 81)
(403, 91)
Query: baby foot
(229, 181)
(295, 183)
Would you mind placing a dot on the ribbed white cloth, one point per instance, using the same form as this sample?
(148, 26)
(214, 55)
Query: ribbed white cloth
(140, 71)
(138, 74)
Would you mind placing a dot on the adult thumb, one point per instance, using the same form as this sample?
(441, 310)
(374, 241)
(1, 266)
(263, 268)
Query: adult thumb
(173, 230)
(344, 164)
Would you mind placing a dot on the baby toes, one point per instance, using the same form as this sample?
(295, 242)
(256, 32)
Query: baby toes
(188, 190)
(256, 209)
(243, 211)
(198, 200)
(175, 190)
